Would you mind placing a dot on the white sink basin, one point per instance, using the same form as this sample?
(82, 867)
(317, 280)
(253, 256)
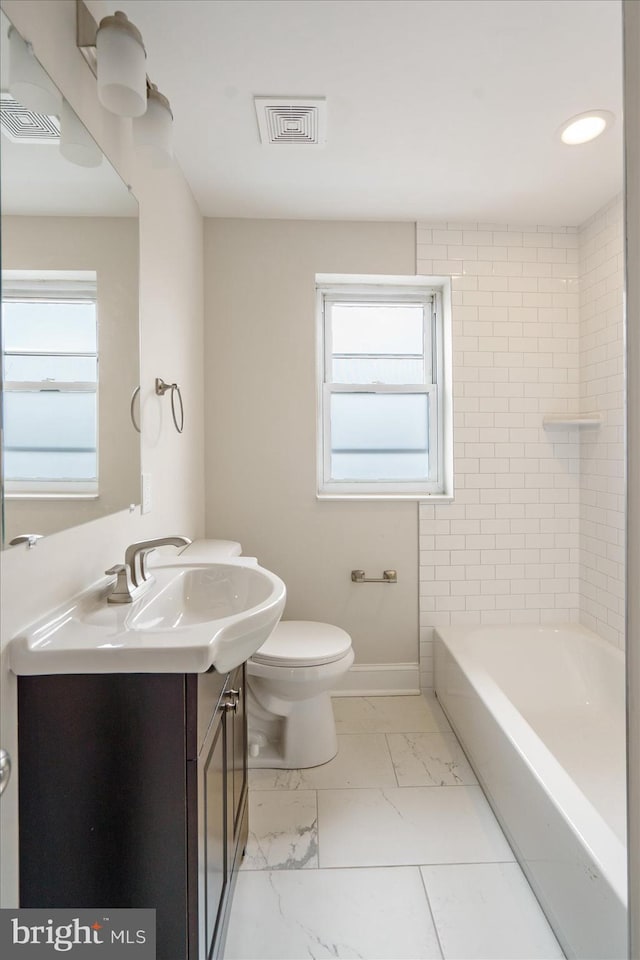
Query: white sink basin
(193, 617)
(200, 594)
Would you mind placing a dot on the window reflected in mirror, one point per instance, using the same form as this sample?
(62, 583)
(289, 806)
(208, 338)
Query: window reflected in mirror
(50, 383)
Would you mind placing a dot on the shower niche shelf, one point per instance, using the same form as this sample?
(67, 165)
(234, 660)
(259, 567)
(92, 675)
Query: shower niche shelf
(565, 421)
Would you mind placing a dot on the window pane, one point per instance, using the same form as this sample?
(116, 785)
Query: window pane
(379, 421)
(49, 327)
(379, 466)
(61, 369)
(50, 423)
(377, 328)
(379, 436)
(383, 370)
(27, 465)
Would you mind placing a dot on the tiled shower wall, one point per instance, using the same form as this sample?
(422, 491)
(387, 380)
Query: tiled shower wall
(602, 451)
(534, 533)
(507, 549)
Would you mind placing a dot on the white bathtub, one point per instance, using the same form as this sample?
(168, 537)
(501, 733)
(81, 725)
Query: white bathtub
(540, 712)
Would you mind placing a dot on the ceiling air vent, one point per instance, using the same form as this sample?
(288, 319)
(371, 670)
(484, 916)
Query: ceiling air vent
(24, 126)
(292, 119)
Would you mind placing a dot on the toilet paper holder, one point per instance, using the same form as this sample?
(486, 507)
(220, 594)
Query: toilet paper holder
(388, 576)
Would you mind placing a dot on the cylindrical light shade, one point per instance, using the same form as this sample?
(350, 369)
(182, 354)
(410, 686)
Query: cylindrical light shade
(122, 75)
(153, 132)
(76, 143)
(28, 82)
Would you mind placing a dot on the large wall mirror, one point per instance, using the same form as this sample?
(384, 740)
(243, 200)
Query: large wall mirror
(69, 325)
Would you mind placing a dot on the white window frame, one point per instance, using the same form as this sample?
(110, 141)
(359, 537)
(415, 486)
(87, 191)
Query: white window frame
(435, 294)
(61, 287)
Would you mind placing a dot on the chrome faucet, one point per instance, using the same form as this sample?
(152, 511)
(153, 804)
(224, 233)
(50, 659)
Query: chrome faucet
(133, 575)
(135, 556)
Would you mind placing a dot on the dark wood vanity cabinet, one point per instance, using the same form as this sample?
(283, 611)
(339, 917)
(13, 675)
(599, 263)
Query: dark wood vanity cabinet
(221, 770)
(133, 793)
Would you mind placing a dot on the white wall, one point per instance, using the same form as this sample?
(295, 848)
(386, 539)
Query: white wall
(171, 340)
(260, 400)
(506, 550)
(602, 467)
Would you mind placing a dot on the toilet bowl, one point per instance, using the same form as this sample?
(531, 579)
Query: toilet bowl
(291, 723)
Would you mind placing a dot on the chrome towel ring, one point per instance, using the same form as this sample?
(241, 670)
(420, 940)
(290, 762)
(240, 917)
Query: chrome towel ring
(132, 411)
(161, 389)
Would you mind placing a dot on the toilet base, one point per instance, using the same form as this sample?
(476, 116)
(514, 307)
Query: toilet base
(306, 737)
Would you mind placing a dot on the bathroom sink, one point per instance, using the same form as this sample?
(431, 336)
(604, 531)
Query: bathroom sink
(192, 618)
(202, 594)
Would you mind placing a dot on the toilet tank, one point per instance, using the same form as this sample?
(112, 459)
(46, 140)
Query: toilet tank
(211, 551)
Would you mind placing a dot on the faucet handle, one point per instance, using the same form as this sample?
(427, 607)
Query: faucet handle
(123, 588)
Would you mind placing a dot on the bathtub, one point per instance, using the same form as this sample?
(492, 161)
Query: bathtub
(540, 712)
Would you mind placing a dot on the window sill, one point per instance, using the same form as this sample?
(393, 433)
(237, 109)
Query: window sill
(415, 497)
(51, 496)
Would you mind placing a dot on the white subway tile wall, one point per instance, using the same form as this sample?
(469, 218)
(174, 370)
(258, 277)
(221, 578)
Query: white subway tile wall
(602, 451)
(508, 549)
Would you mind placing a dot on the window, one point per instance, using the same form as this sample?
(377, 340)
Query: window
(50, 375)
(384, 396)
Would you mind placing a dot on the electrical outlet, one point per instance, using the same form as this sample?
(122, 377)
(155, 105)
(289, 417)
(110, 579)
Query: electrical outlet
(146, 493)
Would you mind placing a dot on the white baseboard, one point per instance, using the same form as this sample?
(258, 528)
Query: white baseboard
(379, 680)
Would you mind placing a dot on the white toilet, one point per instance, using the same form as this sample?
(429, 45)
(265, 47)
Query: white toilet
(291, 723)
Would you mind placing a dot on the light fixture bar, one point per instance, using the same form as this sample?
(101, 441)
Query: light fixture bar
(86, 30)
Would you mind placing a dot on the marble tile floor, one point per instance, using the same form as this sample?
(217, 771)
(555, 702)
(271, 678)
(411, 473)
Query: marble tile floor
(388, 852)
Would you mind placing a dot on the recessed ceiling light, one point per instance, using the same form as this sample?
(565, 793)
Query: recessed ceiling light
(585, 127)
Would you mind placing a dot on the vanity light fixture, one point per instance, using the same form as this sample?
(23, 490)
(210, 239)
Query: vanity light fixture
(35, 111)
(117, 58)
(76, 144)
(28, 82)
(115, 53)
(121, 66)
(585, 127)
(153, 131)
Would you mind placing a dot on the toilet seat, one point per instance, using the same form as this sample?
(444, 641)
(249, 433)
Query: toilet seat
(303, 643)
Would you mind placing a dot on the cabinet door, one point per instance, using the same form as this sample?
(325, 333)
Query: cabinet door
(102, 793)
(222, 817)
(239, 746)
(213, 832)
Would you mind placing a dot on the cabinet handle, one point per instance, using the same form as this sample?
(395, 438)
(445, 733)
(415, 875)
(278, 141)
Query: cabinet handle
(5, 769)
(234, 693)
(229, 705)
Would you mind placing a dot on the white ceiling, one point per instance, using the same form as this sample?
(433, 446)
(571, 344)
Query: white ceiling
(437, 109)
